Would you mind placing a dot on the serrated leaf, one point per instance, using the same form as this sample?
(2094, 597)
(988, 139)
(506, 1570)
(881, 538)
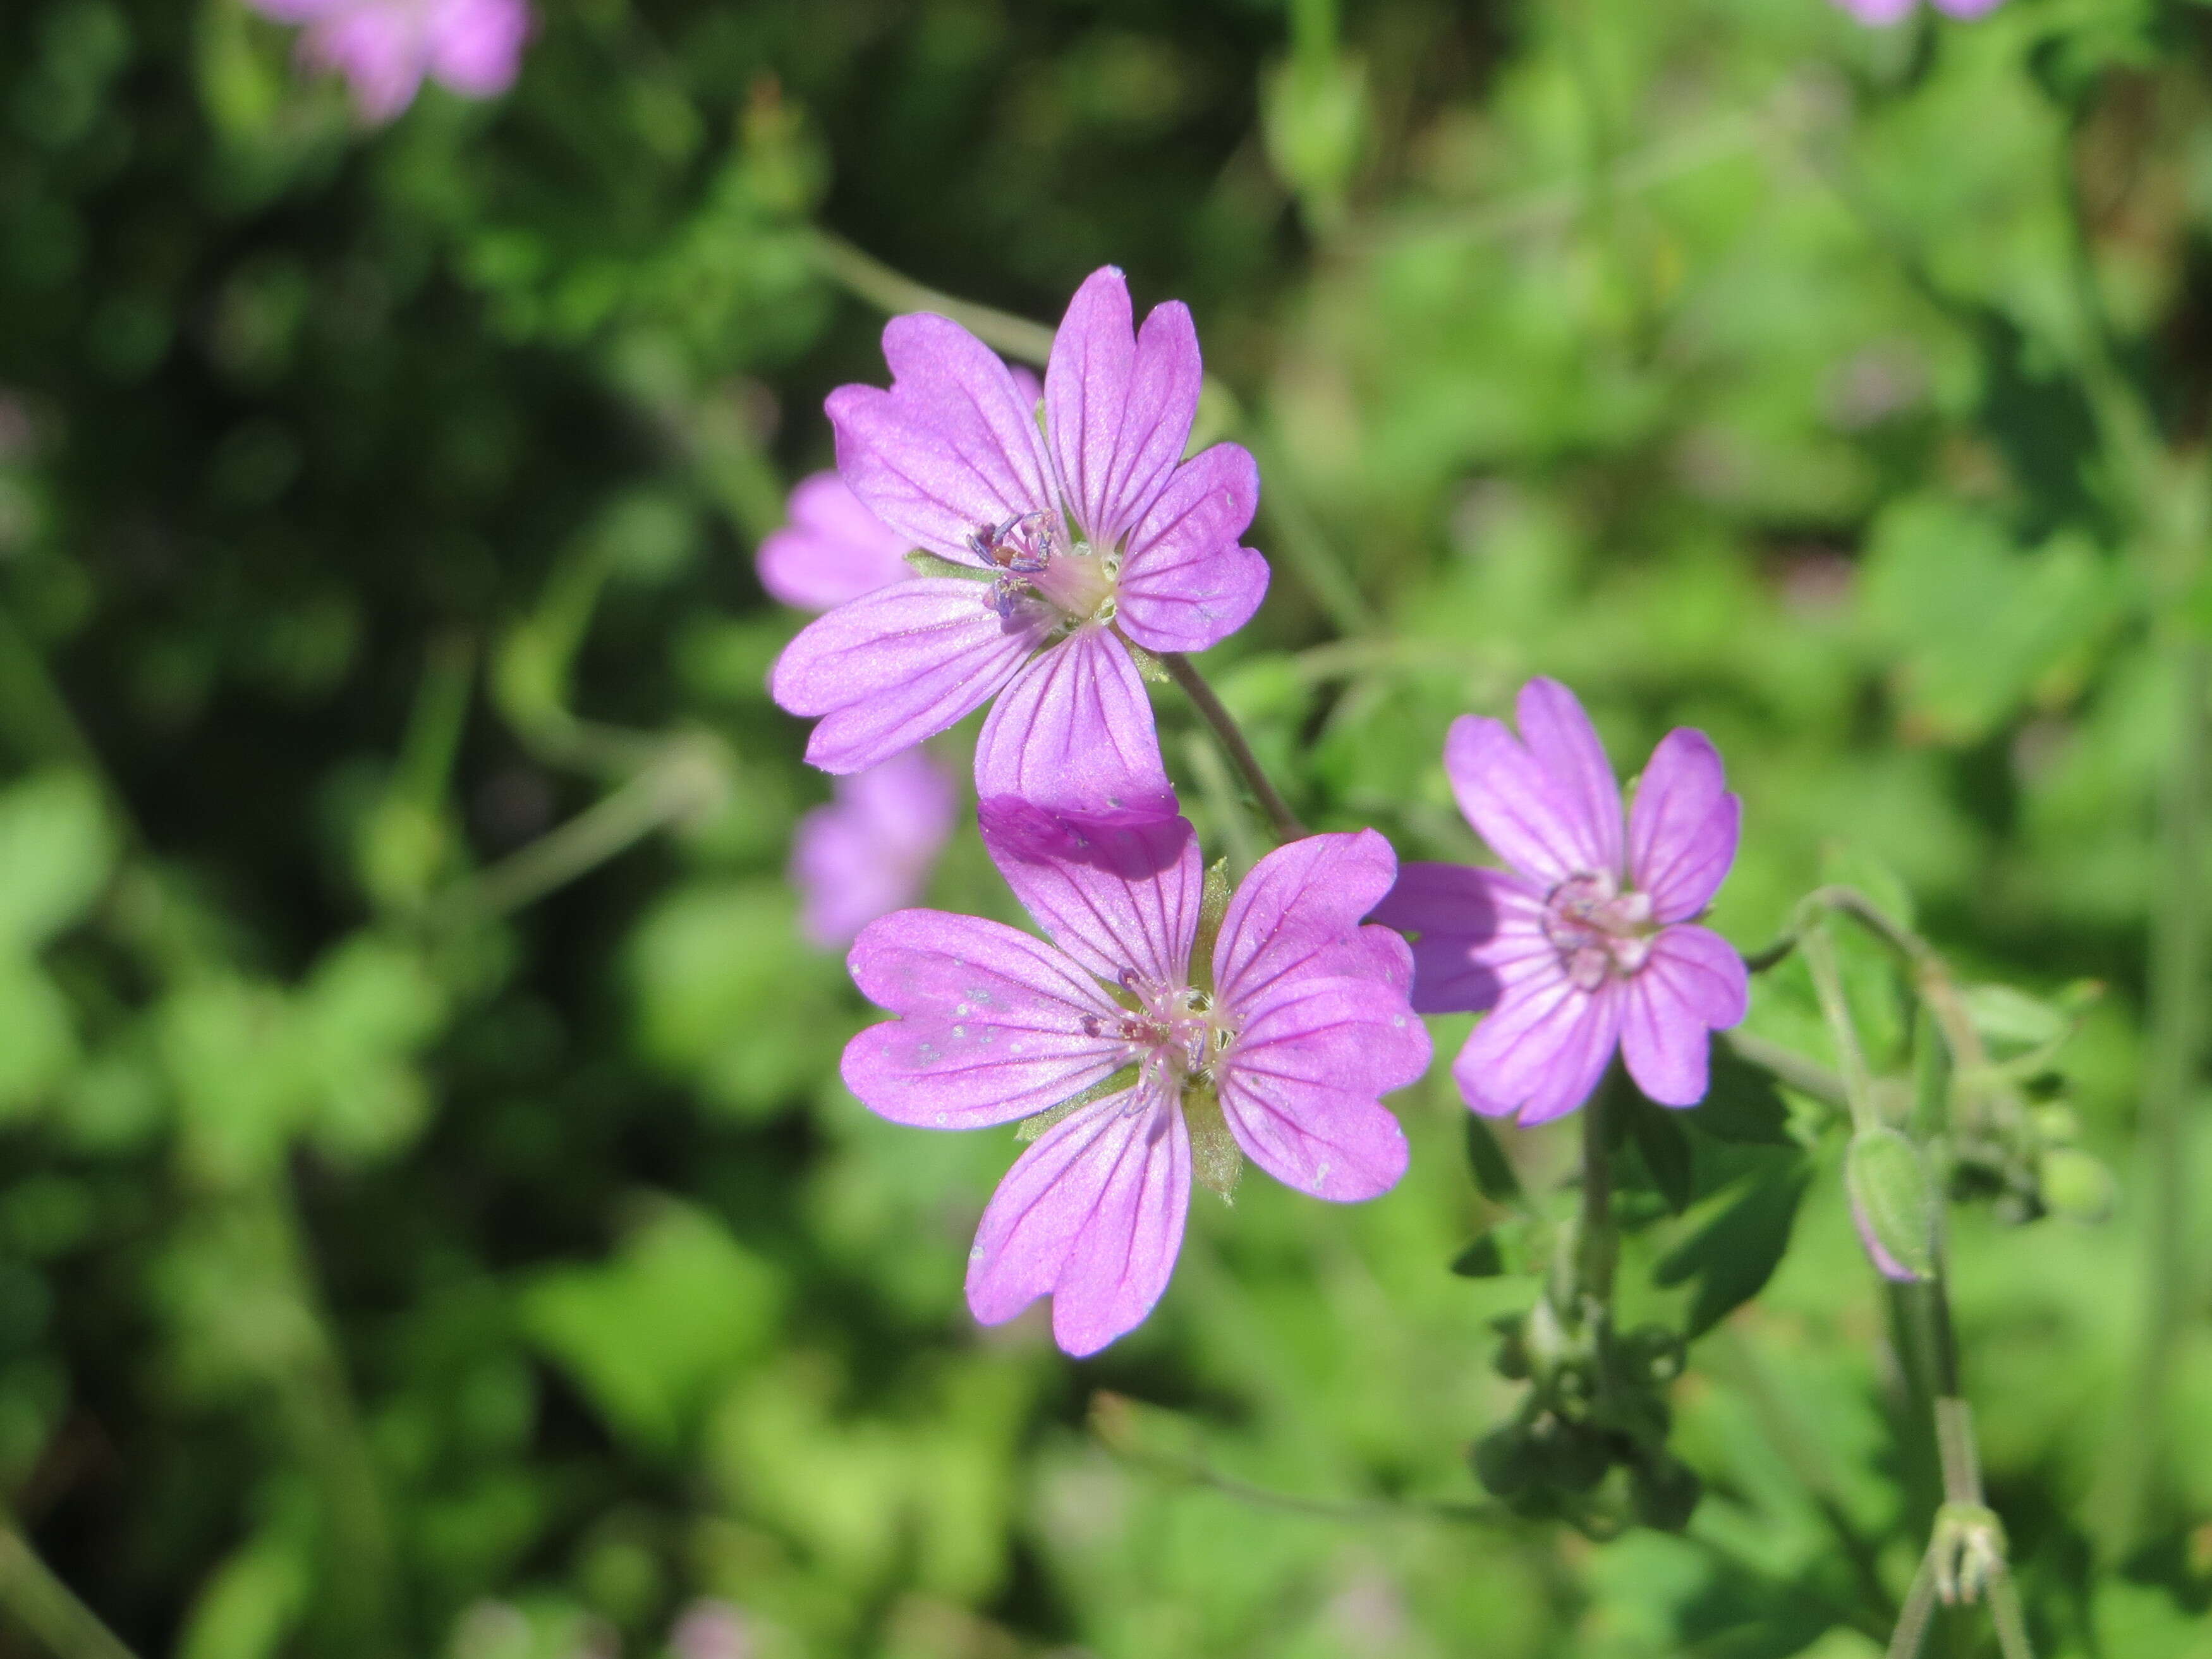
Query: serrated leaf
(1742, 1102)
(1734, 1254)
(1493, 1173)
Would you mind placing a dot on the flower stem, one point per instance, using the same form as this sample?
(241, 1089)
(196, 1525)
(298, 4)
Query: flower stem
(47, 1609)
(1211, 709)
(1597, 1246)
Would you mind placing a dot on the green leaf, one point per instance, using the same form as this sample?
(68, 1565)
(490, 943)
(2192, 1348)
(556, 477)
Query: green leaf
(1481, 1260)
(1664, 1148)
(1742, 1103)
(55, 847)
(930, 564)
(653, 1334)
(2012, 1022)
(1734, 1254)
(1494, 1175)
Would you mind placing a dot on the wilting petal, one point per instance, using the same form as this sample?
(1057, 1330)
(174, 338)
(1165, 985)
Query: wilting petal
(1091, 1216)
(952, 448)
(1541, 1050)
(1186, 584)
(1692, 983)
(1463, 917)
(992, 1026)
(1073, 732)
(897, 666)
(1300, 901)
(833, 549)
(1512, 802)
(1682, 831)
(1565, 745)
(1299, 1087)
(1114, 894)
(475, 46)
(870, 851)
(1118, 407)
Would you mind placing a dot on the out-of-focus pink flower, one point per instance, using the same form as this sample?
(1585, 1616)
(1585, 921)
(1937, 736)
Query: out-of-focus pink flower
(1588, 943)
(384, 48)
(1881, 13)
(870, 851)
(1083, 534)
(709, 1629)
(832, 550)
(1287, 1035)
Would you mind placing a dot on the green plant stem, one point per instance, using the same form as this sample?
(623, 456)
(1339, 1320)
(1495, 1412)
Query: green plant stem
(2177, 971)
(869, 278)
(1911, 1630)
(1820, 951)
(46, 1609)
(1597, 1245)
(1211, 709)
(1806, 1077)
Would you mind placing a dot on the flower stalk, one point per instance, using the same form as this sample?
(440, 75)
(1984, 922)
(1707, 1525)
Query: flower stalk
(46, 1609)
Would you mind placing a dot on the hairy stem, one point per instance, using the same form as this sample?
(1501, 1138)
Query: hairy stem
(1919, 1606)
(46, 1609)
(1280, 819)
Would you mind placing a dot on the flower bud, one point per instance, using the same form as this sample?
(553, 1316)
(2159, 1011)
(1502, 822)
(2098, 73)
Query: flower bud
(2075, 1184)
(1892, 1203)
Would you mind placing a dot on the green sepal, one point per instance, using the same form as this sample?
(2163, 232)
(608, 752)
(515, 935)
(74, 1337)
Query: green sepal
(1212, 906)
(1031, 1127)
(1148, 666)
(1217, 1162)
(928, 564)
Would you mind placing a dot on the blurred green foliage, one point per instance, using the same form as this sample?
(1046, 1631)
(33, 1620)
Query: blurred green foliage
(429, 1219)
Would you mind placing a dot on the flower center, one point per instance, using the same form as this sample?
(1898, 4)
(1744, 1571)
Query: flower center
(1176, 1032)
(1033, 557)
(1598, 931)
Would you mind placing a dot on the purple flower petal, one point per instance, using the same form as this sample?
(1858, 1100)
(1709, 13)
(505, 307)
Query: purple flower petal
(1511, 802)
(1461, 914)
(832, 549)
(475, 46)
(376, 49)
(1301, 901)
(1118, 407)
(1074, 732)
(1114, 894)
(1186, 583)
(1092, 1216)
(897, 666)
(870, 851)
(1692, 983)
(1682, 831)
(951, 449)
(992, 1026)
(1299, 1087)
(1565, 745)
(1543, 1048)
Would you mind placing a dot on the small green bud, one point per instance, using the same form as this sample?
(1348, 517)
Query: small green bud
(1894, 1203)
(2075, 1184)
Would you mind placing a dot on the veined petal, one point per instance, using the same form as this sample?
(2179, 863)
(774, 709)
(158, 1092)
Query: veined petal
(1114, 894)
(1466, 921)
(1302, 900)
(1092, 1216)
(1073, 732)
(1299, 1087)
(1559, 733)
(991, 1028)
(1512, 802)
(1682, 831)
(1186, 584)
(1542, 1049)
(832, 549)
(1118, 407)
(950, 449)
(1692, 983)
(897, 666)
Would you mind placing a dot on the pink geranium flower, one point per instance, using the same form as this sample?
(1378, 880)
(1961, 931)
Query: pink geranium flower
(831, 550)
(1586, 944)
(1083, 529)
(871, 849)
(385, 48)
(1286, 1033)
(1882, 13)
